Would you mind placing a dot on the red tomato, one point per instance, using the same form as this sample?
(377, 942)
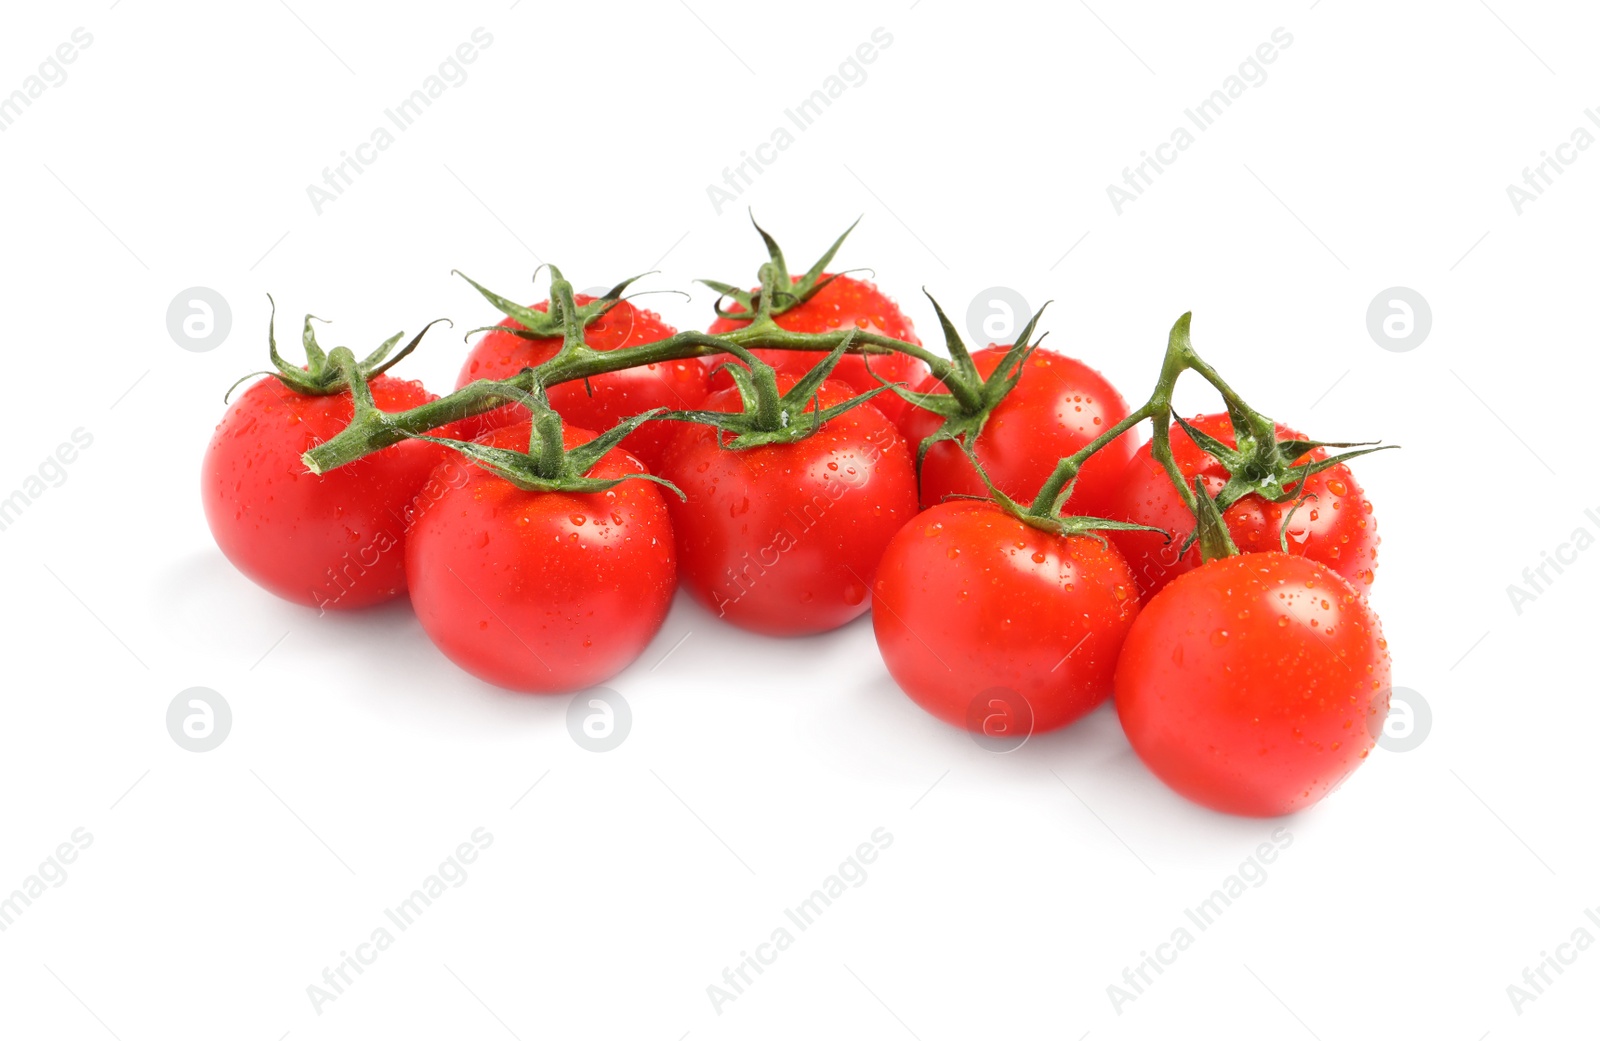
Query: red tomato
(1058, 406)
(840, 304)
(1336, 528)
(1254, 684)
(615, 395)
(997, 626)
(784, 538)
(333, 541)
(543, 591)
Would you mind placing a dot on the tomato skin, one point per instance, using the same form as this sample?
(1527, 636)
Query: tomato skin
(1254, 684)
(542, 592)
(968, 599)
(842, 303)
(1336, 528)
(1058, 406)
(617, 395)
(333, 541)
(784, 539)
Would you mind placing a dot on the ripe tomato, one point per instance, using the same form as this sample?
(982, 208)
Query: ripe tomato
(1058, 406)
(334, 540)
(1335, 528)
(1254, 684)
(784, 538)
(543, 591)
(840, 304)
(979, 614)
(607, 399)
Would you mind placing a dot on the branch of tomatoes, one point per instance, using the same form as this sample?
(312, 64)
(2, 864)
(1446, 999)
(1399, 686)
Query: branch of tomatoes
(1257, 463)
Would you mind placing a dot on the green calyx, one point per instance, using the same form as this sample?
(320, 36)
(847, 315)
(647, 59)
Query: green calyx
(560, 312)
(1048, 512)
(779, 291)
(1261, 464)
(329, 372)
(969, 397)
(1258, 463)
(548, 465)
(769, 416)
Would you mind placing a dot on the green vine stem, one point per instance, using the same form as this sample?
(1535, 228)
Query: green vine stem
(1180, 357)
(372, 432)
(1259, 463)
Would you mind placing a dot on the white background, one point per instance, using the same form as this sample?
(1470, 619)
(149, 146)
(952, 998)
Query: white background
(1018, 887)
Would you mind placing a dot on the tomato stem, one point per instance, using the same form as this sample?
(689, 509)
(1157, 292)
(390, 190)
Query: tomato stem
(364, 437)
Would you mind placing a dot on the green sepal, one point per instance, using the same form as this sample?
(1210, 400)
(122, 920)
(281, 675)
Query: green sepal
(548, 324)
(1264, 466)
(1052, 520)
(961, 423)
(1210, 529)
(324, 373)
(547, 465)
(768, 417)
(778, 293)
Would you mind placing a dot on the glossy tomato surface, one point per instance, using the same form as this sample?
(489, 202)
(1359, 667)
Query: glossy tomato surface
(843, 303)
(999, 627)
(1058, 406)
(1334, 526)
(543, 591)
(784, 539)
(601, 402)
(1254, 684)
(333, 541)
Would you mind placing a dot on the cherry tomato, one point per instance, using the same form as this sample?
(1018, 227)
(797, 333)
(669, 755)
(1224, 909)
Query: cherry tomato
(607, 399)
(1336, 527)
(784, 538)
(1058, 406)
(1254, 684)
(840, 304)
(543, 591)
(334, 541)
(997, 626)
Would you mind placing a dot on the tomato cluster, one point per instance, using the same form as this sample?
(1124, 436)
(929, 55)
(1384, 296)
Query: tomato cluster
(806, 460)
